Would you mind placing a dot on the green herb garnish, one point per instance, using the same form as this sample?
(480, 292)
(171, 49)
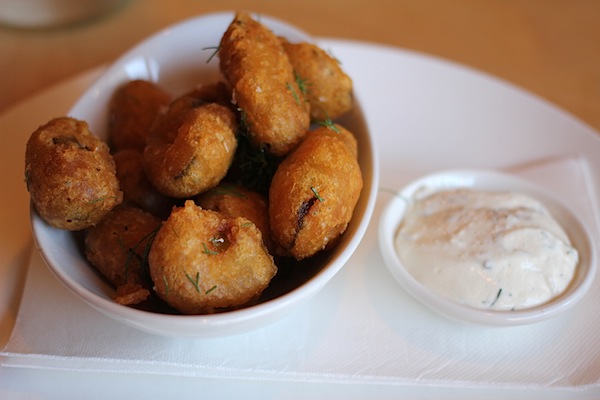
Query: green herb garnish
(316, 194)
(166, 285)
(195, 282)
(303, 84)
(293, 91)
(211, 290)
(253, 166)
(244, 123)
(132, 252)
(497, 297)
(328, 123)
(208, 251)
(215, 50)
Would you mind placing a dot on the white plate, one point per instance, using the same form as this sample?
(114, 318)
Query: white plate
(576, 230)
(427, 114)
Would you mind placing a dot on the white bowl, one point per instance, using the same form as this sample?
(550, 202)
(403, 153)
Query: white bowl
(175, 59)
(577, 231)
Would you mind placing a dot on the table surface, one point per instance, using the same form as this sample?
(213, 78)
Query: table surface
(551, 48)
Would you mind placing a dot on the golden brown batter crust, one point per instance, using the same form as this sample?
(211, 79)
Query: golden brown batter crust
(70, 174)
(263, 85)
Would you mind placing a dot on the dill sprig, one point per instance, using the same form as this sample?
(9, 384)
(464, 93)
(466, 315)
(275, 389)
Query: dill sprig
(316, 194)
(329, 124)
(212, 289)
(167, 288)
(215, 50)
(132, 253)
(303, 84)
(244, 123)
(293, 91)
(253, 166)
(208, 251)
(497, 297)
(195, 282)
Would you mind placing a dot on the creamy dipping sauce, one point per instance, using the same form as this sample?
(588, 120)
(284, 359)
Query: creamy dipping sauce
(491, 250)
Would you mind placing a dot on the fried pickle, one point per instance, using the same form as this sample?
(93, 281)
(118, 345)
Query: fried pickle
(70, 174)
(203, 262)
(118, 247)
(263, 85)
(314, 192)
(132, 111)
(328, 88)
(196, 155)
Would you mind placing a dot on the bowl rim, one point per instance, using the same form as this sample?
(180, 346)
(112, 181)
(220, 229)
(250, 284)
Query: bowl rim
(246, 318)
(395, 209)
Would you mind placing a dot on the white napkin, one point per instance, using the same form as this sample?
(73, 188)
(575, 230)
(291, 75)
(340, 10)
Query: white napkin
(362, 328)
